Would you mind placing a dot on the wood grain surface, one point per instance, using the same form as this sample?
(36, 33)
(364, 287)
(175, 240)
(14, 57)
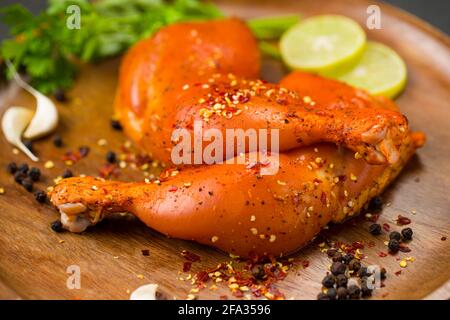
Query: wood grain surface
(33, 260)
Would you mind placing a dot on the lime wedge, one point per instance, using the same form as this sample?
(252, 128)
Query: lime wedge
(324, 44)
(380, 71)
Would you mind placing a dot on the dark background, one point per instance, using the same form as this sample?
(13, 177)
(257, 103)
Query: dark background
(435, 12)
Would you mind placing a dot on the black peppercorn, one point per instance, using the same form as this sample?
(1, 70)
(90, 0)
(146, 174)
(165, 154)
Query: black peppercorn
(322, 296)
(363, 272)
(84, 151)
(395, 235)
(337, 257)
(338, 268)
(342, 293)
(354, 292)
(34, 174)
(341, 280)
(27, 183)
(375, 229)
(19, 176)
(375, 204)
(328, 281)
(60, 95)
(115, 124)
(393, 245)
(56, 226)
(331, 252)
(407, 234)
(347, 258)
(331, 293)
(67, 174)
(23, 168)
(12, 167)
(40, 196)
(383, 273)
(57, 141)
(111, 157)
(354, 265)
(258, 272)
(365, 291)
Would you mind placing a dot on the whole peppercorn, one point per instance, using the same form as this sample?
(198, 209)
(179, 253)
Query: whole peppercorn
(23, 168)
(328, 281)
(57, 141)
(407, 234)
(111, 157)
(342, 293)
(40, 196)
(393, 245)
(331, 252)
(347, 258)
(19, 176)
(363, 272)
(354, 292)
(337, 257)
(383, 273)
(115, 124)
(322, 296)
(12, 167)
(67, 174)
(395, 235)
(84, 151)
(376, 204)
(60, 95)
(258, 272)
(338, 268)
(56, 226)
(341, 280)
(375, 229)
(354, 265)
(27, 183)
(365, 291)
(34, 174)
(331, 293)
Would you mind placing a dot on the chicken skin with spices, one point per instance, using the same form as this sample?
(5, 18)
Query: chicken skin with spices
(338, 146)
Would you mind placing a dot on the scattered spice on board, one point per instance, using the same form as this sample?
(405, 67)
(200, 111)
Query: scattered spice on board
(402, 220)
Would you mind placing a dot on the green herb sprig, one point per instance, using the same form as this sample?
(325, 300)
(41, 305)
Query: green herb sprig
(48, 52)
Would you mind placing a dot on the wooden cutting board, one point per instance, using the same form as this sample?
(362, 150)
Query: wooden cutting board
(33, 260)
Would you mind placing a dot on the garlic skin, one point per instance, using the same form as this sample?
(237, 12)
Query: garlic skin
(14, 122)
(145, 292)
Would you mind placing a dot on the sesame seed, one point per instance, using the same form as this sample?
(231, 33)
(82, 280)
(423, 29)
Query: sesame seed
(403, 263)
(2, 190)
(49, 164)
(254, 231)
(214, 239)
(272, 238)
(353, 177)
(185, 87)
(95, 188)
(252, 218)
(307, 99)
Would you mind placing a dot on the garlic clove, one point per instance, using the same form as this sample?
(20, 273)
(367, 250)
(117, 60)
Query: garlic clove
(145, 292)
(14, 122)
(45, 118)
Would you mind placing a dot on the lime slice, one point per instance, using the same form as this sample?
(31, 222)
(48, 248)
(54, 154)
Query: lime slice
(324, 44)
(380, 71)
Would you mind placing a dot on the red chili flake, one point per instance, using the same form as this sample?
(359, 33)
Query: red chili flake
(357, 245)
(145, 252)
(190, 256)
(382, 254)
(305, 264)
(238, 294)
(402, 220)
(173, 188)
(202, 276)
(386, 227)
(374, 217)
(404, 248)
(187, 266)
(108, 170)
(323, 198)
(443, 238)
(371, 244)
(223, 297)
(399, 272)
(342, 178)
